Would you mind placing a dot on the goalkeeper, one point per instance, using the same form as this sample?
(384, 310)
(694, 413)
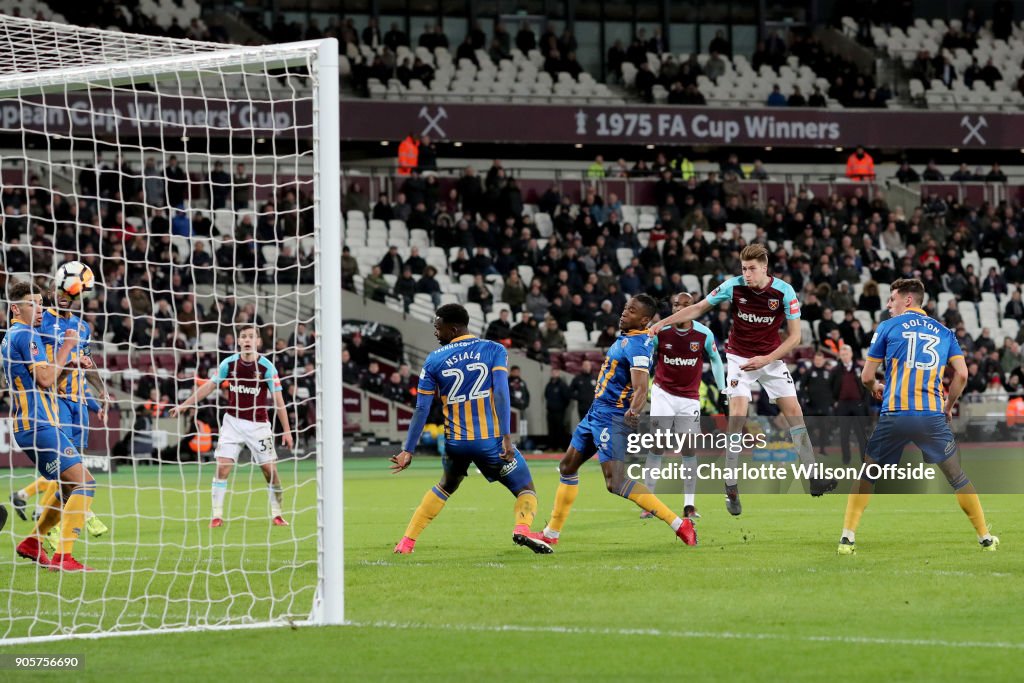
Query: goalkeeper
(76, 401)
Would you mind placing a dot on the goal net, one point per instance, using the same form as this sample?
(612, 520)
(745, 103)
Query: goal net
(200, 184)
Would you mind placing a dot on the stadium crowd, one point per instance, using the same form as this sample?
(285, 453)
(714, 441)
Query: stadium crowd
(126, 224)
(820, 245)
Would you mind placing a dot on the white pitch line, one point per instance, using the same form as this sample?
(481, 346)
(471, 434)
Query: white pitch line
(711, 635)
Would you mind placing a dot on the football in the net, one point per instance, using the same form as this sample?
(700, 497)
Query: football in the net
(75, 279)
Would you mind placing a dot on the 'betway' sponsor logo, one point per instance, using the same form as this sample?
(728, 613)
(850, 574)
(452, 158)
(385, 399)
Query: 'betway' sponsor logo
(760, 319)
(681, 361)
(243, 389)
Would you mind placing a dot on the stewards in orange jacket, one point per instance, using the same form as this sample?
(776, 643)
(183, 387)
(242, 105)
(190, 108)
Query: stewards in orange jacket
(408, 154)
(860, 166)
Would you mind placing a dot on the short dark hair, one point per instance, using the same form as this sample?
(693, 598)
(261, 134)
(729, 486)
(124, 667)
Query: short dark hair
(21, 289)
(910, 285)
(453, 314)
(647, 301)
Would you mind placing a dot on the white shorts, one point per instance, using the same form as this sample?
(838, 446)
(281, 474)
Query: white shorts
(773, 378)
(684, 412)
(235, 433)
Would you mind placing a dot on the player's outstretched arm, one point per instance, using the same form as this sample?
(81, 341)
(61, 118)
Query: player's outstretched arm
(956, 385)
(46, 374)
(282, 417)
(868, 377)
(792, 340)
(419, 420)
(198, 396)
(638, 378)
(717, 368)
(691, 312)
(96, 406)
(503, 407)
(92, 376)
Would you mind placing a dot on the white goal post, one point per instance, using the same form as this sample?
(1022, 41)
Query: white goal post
(81, 106)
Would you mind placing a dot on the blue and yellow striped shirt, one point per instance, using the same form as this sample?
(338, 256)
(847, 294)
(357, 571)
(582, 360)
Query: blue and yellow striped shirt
(914, 351)
(20, 353)
(74, 386)
(462, 373)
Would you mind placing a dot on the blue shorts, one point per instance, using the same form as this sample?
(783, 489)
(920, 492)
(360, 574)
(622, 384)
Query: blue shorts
(74, 421)
(930, 433)
(486, 455)
(604, 434)
(50, 449)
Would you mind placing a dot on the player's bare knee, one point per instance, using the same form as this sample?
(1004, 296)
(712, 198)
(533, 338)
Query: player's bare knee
(570, 462)
(450, 484)
(954, 474)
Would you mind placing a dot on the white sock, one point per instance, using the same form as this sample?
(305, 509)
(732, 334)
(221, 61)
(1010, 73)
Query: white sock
(653, 462)
(90, 514)
(676, 523)
(275, 493)
(690, 479)
(849, 535)
(220, 489)
(550, 533)
(802, 443)
(984, 538)
(732, 461)
(21, 494)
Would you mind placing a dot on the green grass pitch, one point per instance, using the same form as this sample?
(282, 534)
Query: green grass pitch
(763, 597)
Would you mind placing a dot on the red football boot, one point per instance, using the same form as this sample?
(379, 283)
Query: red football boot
(539, 536)
(686, 533)
(31, 549)
(65, 563)
(279, 521)
(405, 546)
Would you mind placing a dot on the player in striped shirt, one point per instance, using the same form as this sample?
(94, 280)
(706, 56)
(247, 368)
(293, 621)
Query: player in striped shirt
(619, 397)
(251, 379)
(35, 422)
(471, 377)
(75, 402)
(675, 394)
(913, 351)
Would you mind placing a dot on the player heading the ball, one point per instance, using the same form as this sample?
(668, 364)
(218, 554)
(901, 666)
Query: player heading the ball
(760, 304)
(251, 379)
(35, 422)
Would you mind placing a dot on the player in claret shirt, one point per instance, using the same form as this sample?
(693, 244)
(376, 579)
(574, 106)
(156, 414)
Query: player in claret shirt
(675, 395)
(760, 304)
(251, 380)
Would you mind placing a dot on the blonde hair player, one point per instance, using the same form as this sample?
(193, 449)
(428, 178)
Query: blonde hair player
(759, 304)
(251, 377)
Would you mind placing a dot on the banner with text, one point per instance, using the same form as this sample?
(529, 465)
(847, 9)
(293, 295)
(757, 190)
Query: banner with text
(642, 124)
